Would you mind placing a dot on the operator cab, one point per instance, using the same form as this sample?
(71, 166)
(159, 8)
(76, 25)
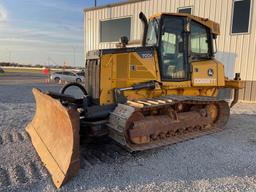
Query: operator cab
(179, 41)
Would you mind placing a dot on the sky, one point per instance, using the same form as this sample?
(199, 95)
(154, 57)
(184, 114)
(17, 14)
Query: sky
(43, 31)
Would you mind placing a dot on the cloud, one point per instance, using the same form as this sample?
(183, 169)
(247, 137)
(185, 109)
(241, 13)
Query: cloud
(32, 42)
(60, 5)
(40, 38)
(3, 14)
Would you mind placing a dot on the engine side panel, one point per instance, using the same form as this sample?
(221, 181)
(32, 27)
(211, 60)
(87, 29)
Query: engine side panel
(207, 73)
(125, 69)
(120, 68)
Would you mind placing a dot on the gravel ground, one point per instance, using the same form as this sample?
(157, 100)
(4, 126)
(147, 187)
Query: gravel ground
(224, 161)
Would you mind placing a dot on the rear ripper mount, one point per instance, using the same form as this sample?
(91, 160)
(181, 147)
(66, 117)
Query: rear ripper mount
(137, 125)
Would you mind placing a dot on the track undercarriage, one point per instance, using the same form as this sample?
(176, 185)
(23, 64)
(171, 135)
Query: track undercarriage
(150, 123)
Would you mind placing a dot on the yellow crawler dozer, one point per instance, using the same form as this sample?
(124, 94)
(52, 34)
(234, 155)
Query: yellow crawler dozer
(162, 92)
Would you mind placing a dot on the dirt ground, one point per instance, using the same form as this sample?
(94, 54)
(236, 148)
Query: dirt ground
(224, 161)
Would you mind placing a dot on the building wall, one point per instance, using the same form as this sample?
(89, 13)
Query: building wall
(237, 52)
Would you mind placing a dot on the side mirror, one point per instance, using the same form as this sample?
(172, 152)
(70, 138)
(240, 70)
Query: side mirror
(124, 41)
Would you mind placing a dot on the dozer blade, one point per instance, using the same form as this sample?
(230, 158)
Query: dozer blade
(54, 132)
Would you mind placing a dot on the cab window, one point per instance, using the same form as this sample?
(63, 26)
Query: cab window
(199, 40)
(169, 42)
(151, 38)
(172, 48)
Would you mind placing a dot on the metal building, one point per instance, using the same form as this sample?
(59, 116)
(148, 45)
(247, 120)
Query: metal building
(236, 44)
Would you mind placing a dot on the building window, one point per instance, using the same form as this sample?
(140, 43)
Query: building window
(112, 30)
(241, 16)
(185, 10)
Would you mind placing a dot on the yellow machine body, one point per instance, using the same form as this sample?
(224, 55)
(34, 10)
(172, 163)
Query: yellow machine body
(126, 69)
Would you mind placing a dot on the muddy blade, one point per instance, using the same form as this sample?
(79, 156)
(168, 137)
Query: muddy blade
(54, 132)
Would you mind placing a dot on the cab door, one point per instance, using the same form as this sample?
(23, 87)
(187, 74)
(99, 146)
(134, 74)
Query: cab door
(172, 49)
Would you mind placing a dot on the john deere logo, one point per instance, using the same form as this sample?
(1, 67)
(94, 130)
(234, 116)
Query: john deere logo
(210, 72)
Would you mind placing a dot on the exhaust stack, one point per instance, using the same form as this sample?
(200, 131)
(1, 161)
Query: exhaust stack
(144, 20)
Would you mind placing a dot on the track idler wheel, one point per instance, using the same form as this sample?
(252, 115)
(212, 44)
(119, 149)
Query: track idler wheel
(136, 116)
(213, 111)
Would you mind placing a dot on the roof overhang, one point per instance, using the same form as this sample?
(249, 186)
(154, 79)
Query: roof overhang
(113, 5)
(215, 27)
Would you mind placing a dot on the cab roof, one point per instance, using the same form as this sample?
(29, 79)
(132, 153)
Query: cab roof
(215, 27)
